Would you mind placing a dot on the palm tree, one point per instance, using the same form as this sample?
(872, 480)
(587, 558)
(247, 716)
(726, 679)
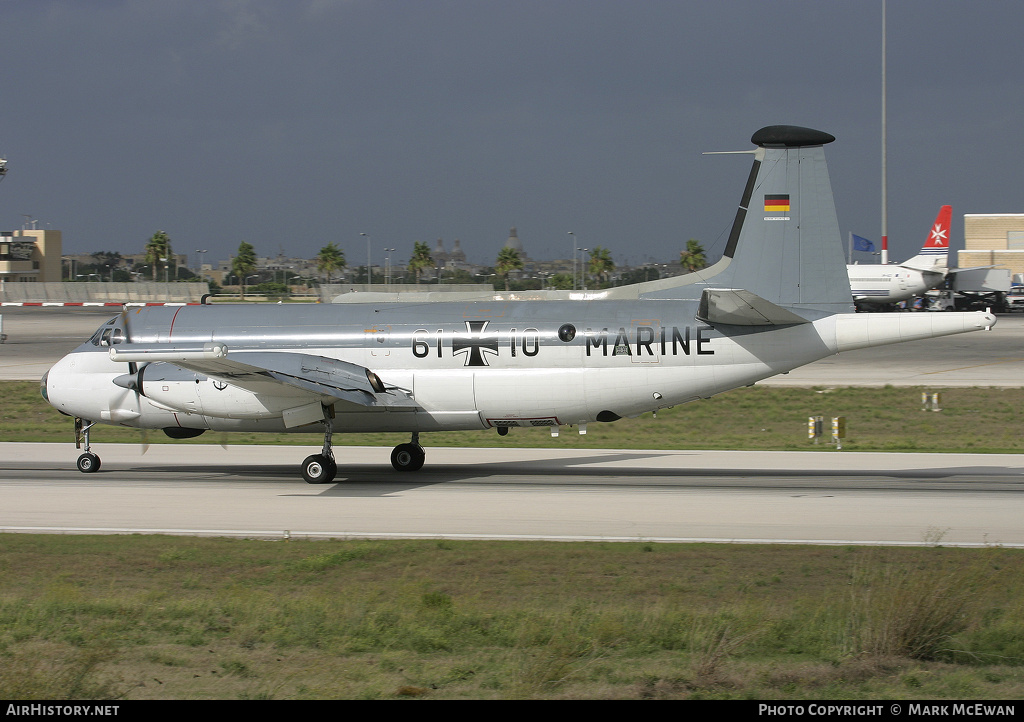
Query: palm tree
(420, 259)
(330, 259)
(693, 259)
(158, 249)
(601, 264)
(508, 261)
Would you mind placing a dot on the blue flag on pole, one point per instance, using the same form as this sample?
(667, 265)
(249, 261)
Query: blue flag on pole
(862, 244)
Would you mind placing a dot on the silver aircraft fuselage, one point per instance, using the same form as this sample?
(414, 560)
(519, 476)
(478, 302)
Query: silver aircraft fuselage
(501, 364)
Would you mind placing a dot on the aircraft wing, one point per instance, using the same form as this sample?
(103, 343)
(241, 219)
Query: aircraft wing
(274, 373)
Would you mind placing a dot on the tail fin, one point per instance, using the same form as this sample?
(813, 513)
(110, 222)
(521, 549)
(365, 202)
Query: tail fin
(785, 246)
(934, 255)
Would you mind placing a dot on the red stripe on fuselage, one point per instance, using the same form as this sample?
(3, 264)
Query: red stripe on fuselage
(170, 330)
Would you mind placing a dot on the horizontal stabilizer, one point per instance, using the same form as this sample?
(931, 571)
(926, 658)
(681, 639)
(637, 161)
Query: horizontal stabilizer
(972, 268)
(926, 265)
(737, 307)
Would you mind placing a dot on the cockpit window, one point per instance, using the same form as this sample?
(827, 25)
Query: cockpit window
(107, 334)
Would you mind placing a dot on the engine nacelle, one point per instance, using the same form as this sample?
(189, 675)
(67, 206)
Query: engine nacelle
(176, 389)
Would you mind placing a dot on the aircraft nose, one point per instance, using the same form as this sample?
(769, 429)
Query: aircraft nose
(59, 387)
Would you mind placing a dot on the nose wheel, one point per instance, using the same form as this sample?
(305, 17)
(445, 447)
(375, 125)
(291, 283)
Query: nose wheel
(87, 462)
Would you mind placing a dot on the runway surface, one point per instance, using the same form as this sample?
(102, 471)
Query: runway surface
(625, 495)
(568, 494)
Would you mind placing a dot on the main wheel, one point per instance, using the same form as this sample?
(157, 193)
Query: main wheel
(408, 457)
(88, 463)
(319, 469)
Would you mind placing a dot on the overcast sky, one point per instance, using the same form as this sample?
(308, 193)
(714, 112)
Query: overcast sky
(291, 124)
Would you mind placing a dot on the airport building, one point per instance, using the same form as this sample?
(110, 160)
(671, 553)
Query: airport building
(30, 256)
(993, 239)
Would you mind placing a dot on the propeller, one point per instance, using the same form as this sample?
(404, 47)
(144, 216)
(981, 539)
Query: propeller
(128, 405)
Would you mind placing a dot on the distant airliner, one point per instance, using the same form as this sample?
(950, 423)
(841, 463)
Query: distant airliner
(778, 298)
(877, 284)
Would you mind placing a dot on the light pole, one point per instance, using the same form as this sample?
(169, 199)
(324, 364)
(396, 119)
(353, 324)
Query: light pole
(573, 259)
(575, 248)
(368, 266)
(387, 266)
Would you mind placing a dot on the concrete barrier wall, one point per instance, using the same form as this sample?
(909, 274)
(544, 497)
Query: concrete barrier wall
(108, 292)
(329, 291)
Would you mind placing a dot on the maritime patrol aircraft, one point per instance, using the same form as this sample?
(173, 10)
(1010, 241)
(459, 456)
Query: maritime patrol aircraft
(778, 298)
(874, 285)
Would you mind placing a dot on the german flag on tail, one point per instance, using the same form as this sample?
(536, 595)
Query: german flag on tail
(776, 203)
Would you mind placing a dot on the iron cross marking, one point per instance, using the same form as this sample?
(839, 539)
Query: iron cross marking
(474, 345)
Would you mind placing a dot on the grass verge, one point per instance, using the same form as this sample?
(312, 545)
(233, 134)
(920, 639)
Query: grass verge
(178, 618)
(150, 617)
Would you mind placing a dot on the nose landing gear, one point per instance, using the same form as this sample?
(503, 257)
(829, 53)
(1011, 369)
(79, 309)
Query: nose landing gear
(87, 462)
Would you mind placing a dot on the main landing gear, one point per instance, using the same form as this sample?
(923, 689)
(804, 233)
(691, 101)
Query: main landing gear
(87, 462)
(316, 469)
(321, 468)
(408, 457)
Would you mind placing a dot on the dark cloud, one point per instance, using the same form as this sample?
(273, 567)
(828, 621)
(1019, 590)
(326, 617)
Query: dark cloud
(290, 125)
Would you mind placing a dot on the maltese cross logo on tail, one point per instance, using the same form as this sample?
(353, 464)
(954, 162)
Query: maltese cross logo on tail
(938, 237)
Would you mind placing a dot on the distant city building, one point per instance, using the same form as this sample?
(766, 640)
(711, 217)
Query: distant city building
(439, 255)
(30, 256)
(993, 239)
(515, 244)
(457, 257)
